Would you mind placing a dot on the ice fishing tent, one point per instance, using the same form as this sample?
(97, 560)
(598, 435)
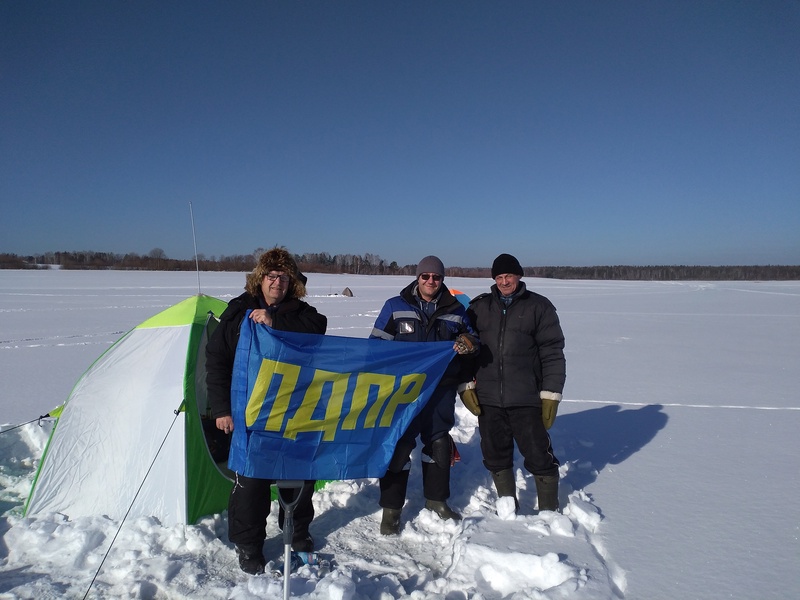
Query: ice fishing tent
(137, 415)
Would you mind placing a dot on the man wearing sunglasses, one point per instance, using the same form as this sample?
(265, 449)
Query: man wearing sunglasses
(426, 311)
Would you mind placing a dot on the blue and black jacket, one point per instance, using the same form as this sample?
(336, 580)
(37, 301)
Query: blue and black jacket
(409, 318)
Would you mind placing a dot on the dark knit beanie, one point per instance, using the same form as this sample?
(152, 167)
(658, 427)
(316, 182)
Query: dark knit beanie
(505, 263)
(430, 264)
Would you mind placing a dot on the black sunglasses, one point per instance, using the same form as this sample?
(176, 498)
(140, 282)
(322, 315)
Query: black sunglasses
(426, 276)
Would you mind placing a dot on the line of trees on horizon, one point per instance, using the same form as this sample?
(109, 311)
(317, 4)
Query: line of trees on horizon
(372, 264)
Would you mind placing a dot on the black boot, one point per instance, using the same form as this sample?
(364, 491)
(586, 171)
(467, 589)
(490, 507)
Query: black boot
(547, 490)
(505, 485)
(440, 508)
(390, 523)
(302, 542)
(251, 559)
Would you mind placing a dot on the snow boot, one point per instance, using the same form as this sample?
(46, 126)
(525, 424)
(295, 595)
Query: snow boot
(251, 559)
(390, 523)
(440, 508)
(303, 543)
(505, 485)
(547, 491)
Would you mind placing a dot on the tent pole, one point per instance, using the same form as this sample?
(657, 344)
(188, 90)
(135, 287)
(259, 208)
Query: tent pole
(194, 240)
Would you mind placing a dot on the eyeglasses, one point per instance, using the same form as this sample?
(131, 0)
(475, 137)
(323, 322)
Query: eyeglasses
(426, 276)
(283, 278)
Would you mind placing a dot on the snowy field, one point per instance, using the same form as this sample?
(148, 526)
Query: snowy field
(677, 438)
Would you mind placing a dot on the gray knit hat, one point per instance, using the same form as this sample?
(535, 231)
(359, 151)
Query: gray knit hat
(430, 264)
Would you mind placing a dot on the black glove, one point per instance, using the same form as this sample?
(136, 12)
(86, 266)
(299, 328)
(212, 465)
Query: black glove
(466, 391)
(550, 402)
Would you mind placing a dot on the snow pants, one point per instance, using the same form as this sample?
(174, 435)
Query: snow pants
(249, 506)
(432, 425)
(500, 428)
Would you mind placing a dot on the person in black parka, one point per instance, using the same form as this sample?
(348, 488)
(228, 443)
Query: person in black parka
(519, 378)
(273, 293)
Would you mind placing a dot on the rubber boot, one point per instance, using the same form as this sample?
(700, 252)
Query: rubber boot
(441, 508)
(547, 491)
(393, 489)
(390, 523)
(505, 485)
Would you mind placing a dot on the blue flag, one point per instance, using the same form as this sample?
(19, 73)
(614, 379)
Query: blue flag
(308, 406)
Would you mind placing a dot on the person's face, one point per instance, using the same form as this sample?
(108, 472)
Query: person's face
(275, 286)
(507, 283)
(429, 285)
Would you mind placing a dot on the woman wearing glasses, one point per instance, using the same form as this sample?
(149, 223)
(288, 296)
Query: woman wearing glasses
(426, 311)
(273, 293)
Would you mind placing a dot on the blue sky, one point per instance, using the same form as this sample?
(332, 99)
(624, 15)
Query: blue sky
(566, 133)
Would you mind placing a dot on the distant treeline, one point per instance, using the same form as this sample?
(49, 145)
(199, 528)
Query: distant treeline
(372, 264)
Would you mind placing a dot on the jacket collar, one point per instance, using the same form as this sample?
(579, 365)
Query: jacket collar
(444, 298)
(507, 300)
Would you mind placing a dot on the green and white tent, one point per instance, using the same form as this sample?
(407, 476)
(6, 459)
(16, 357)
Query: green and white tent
(136, 418)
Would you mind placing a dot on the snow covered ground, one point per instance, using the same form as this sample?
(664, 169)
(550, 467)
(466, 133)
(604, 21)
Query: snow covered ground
(677, 437)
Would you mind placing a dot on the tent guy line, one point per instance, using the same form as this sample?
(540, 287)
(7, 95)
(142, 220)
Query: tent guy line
(678, 405)
(133, 501)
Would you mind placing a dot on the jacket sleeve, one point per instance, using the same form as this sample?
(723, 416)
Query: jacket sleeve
(305, 319)
(384, 327)
(468, 328)
(468, 362)
(220, 353)
(550, 340)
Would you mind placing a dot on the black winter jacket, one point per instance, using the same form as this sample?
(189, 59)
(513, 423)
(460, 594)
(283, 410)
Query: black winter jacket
(290, 315)
(522, 348)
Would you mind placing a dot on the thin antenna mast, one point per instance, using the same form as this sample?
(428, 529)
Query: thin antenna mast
(194, 239)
